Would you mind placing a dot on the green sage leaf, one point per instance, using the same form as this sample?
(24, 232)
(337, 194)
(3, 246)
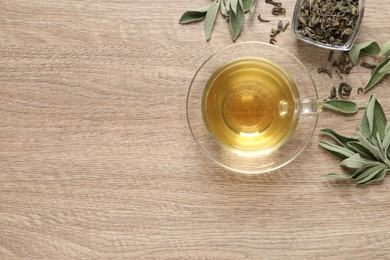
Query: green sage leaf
(233, 6)
(236, 21)
(372, 148)
(354, 162)
(386, 49)
(377, 76)
(386, 143)
(369, 174)
(370, 113)
(252, 9)
(365, 126)
(377, 177)
(210, 19)
(385, 69)
(195, 15)
(361, 149)
(341, 106)
(380, 121)
(341, 139)
(341, 176)
(370, 48)
(246, 5)
(337, 150)
(224, 9)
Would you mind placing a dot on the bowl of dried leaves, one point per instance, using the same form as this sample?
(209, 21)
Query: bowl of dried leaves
(330, 24)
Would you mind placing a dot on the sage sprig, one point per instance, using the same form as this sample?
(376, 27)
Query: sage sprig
(365, 156)
(233, 10)
(372, 48)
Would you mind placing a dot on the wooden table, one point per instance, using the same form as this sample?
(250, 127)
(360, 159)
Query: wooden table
(96, 159)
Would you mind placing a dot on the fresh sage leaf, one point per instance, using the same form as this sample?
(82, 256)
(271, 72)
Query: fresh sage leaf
(370, 48)
(337, 150)
(234, 6)
(377, 177)
(365, 126)
(252, 9)
(341, 176)
(195, 15)
(246, 5)
(368, 172)
(376, 118)
(380, 121)
(341, 106)
(210, 19)
(377, 75)
(386, 49)
(369, 175)
(368, 157)
(385, 69)
(224, 9)
(359, 148)
(356, 162)
(353, 162)
(236, 21)
(372, 148)
(370, 112)
(341, 139)
(386, 142)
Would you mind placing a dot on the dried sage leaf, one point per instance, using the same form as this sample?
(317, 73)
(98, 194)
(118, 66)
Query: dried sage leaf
(377, 75)
(342, 106)
(236, 21)
(210, 19)
(341, 139)
(370, 48)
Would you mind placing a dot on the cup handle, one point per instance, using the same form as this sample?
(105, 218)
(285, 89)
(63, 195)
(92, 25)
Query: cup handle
(309, 106)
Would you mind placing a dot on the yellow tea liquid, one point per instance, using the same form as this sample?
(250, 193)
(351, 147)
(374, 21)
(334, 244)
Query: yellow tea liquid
(249, 106)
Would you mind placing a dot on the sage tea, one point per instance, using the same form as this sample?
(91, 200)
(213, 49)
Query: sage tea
(249, 105)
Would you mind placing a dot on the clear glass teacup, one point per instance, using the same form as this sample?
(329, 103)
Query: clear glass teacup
(252, 107)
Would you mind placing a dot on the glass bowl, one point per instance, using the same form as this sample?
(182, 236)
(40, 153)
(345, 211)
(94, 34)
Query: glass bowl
(305, 104)
(300, 34)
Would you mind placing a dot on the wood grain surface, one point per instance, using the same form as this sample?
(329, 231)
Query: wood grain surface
(96, 159)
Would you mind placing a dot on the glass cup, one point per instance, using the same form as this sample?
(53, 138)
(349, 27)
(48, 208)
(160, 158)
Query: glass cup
(305, 110)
